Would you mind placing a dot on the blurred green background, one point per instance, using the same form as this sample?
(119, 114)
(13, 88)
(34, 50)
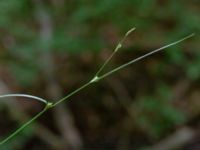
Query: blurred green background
(51, 47)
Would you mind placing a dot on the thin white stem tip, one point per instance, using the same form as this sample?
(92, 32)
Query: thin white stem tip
(24, 95)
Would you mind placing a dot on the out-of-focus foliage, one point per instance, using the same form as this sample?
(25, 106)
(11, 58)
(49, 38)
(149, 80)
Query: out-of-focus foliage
(156, 114)
(78, 26)
(88, 27)
(19, 142)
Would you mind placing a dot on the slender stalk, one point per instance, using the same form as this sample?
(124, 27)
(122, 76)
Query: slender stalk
(71, 94)
(96, 78)
(144, 56)
(26, 124)
(119, 45)
(24, 95)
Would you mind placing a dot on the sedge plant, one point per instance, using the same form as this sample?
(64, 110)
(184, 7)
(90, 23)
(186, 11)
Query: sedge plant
(96, 78)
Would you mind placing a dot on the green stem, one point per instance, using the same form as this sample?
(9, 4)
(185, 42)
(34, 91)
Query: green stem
(105, 63)
(119, 45)
(71, 94)
(96, 78)
(143, 56)
(26, 124)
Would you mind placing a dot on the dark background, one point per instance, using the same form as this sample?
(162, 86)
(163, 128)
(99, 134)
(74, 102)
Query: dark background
(51, 47)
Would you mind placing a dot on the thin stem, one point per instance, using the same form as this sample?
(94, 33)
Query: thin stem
(119, 45)
(71, 94)
(26, 124)
(105, 63)
(143, 56)
(26, 96)
(96, 78)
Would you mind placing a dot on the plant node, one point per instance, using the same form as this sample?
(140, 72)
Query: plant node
(49, 105)
(95, 79)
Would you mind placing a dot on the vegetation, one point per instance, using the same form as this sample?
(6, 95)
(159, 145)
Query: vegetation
(50, 47)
